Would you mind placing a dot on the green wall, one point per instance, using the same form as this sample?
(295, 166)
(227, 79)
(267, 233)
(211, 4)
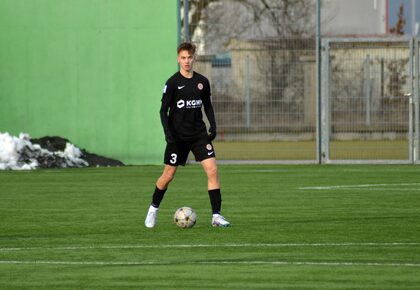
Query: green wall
(91, 71)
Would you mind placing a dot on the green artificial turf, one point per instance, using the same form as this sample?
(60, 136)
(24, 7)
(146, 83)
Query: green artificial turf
(293, 227)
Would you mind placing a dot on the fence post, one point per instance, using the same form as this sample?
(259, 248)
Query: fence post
(325, 102)
(318, 82)
(410, 103)
(367, 88)
(178, 14)
(247, 93)
(416, 102)
(186, 21)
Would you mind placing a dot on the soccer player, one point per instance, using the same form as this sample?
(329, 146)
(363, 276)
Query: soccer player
(183, 96)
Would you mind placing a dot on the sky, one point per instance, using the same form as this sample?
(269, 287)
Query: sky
(394, 6)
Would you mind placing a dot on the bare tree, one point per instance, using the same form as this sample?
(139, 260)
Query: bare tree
(275, 31)
(281, 27)
(213, 23)
(286, 18)
(399, 26)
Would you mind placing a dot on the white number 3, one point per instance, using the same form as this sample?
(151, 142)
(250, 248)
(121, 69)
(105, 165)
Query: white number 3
(173, 160)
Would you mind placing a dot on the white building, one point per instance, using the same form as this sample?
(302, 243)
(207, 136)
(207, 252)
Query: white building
(354, 17)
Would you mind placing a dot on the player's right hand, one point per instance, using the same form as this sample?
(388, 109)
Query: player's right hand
(169, 139)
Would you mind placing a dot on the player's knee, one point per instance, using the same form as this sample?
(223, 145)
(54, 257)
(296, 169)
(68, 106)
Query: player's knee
(212, 172)
(167, 177)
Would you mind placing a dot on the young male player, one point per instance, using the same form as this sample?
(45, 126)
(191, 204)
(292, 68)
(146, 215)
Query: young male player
(183, 96)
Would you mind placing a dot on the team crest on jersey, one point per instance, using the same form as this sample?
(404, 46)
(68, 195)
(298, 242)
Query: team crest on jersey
(209, 147)
(200, 86)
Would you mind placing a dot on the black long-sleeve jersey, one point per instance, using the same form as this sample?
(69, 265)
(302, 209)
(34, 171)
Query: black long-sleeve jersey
(183, 98)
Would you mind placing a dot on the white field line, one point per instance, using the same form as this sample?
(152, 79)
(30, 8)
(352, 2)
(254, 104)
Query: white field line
(142, 263)
(362, 186)
(257, 245)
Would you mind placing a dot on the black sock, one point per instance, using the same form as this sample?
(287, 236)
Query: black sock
(215, 200)
(158, 196)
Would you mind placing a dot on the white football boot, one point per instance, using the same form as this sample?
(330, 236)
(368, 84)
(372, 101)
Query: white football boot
(151, 217)
(219, 221)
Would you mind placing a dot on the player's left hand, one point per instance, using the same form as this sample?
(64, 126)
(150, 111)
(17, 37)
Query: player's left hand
(212, 133)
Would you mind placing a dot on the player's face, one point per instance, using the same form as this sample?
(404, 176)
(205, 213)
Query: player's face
(185, 60)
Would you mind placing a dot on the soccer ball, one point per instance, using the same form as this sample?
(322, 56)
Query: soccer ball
(185, 217)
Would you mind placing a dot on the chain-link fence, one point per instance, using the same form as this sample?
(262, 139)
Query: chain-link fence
(262, 60)
(369, 104)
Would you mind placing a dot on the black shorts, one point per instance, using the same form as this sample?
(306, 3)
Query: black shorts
(177, 153)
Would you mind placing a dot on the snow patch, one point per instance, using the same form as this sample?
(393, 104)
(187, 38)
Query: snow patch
(18, 153)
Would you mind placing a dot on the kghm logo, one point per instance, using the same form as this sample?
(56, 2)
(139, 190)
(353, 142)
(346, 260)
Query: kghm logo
(180, 104)
(189, 104)
(194, 104)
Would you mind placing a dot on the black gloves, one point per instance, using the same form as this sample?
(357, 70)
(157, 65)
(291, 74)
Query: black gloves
(212, 133)
(169, 139)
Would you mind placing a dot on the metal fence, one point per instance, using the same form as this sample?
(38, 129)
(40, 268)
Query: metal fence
(265, 90)
(367, 87)
(264, 99)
